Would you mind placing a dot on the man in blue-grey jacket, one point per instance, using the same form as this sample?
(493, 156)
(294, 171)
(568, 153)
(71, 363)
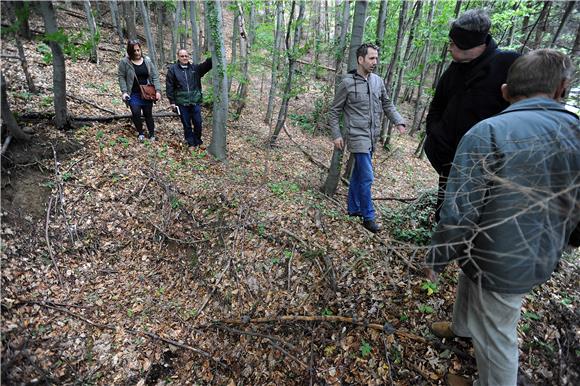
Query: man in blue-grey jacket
(183, 88)
(510, 207)
(363, 98)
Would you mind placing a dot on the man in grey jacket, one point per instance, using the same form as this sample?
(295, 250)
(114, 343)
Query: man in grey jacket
(510, 207)
(362, 97)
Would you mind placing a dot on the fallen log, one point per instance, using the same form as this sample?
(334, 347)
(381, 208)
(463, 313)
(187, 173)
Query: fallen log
(35, 116)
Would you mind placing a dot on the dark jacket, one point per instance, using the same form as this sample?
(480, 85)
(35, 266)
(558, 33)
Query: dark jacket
(466, 94)
(512, 197)
(183, 85)
(363, 101)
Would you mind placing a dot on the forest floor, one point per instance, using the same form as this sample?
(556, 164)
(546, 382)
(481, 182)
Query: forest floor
(150, 263)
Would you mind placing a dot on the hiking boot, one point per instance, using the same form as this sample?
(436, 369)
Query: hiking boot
(141, 137)
(371, 226)
(457, 380)
(442, 330)
(358, 215)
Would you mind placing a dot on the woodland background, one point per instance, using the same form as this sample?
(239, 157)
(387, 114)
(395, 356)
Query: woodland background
(151, 263)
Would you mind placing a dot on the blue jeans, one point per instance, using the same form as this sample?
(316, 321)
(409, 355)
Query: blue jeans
(191, 114)
(138, 105)
(359, 191)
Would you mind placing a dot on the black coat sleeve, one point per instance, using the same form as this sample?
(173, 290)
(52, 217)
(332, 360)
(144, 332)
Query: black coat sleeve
(170, 84)
(205, 67)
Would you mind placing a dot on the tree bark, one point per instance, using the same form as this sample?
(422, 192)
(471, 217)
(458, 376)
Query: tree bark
(175, 32)
(148, 32)
(291, 52)
(358, 27)
(569, 7)
(245, 61)
(129, 7)
(235, 41)
(62, 120)
(22, 10)
(275, 61)
(20, 47)
(195, 55)
(344, 22)
(114, 6)
(381, 23)
(7, 117)
(576, 48)
(220, 80)
(161, 14)
(94, 57)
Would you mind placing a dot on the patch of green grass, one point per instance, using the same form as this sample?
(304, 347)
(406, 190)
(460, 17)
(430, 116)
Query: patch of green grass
(282, 188)
(365, 349)
(425, 309)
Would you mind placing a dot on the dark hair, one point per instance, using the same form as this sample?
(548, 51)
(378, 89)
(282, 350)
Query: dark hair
(539, 72)
(364, 49)
(131, 47)
(476, 20)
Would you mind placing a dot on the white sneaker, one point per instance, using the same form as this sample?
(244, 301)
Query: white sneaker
(141, 137)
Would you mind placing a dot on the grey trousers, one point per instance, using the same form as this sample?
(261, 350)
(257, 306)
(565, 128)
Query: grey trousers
(491, 320)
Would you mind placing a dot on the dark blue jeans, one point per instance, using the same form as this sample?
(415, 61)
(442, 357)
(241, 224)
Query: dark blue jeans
(137, 106)
(359, 190)
(191, 114)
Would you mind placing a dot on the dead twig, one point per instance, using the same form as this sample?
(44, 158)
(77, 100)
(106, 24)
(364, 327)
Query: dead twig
(275, 342)
(200, 309)
(181, 241)
(48, 244)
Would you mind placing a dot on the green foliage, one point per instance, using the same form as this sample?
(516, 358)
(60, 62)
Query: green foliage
(66, 176)
(175, 203)
(74, 45)
(412, 223)
(365, 349)
(430, 287)
(531, 315)
(425, 309)
(311, 121)
(327, 312)
(282, 188)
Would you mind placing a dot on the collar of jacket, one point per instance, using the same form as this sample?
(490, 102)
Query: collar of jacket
(537, 103)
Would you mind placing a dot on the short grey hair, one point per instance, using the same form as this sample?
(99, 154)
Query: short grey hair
(473, 20)
(539, 72)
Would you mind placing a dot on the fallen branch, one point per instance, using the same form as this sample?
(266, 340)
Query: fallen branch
(329, 318)
(404, 199)
(130, 331)
(34, 116)
(181, 241)
(5, 144)
(310, 156)
(79, 99)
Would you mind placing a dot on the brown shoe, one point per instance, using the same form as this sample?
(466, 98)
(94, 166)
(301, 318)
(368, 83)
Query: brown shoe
(457, 380)
(442, 330)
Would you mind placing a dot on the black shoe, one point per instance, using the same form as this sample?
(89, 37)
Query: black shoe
(371, 225)
(355, 215)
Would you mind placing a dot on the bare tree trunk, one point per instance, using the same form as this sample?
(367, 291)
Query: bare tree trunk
(245, 59)
(175, 32)
(235, 42)
(62, 120)
(114, 6)
(22, 10)
(94, 58)
(160, 36)
(251, 30)
(382, 23)
(417, 116)
(291, 52)
(23, 62)
(213, 14)
(316, 6)
(129, 7)
(275, 60)
(358, 26)
(341, 47)
(541, 26)
(576, 49)
(148, 32)
(194, 32)
(7, 117)
(569, 7)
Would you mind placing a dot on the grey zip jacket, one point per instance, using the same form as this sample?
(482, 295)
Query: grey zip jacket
(362, 101)
(126, 74)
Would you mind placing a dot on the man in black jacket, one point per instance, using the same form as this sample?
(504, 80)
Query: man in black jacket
(183, 88)
(468, 91)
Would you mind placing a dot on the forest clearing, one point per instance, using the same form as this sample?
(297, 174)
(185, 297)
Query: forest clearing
(128, 262)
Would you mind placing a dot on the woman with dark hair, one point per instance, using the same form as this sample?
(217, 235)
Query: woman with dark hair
(134, 70)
